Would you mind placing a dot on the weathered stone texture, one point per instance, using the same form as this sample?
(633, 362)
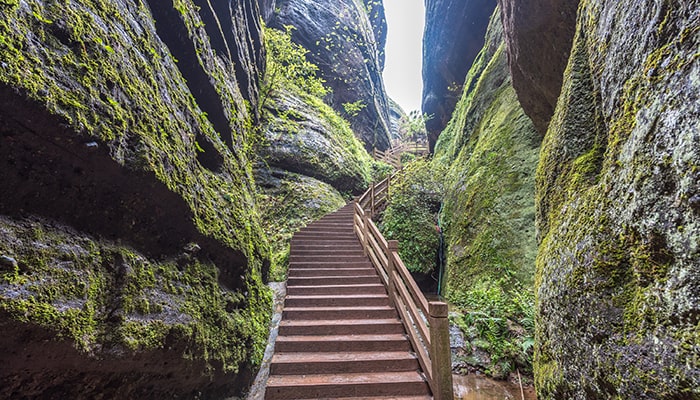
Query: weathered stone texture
(454, 35)
(538, 35)
(340, 36)
(128, 201)
(618, 270)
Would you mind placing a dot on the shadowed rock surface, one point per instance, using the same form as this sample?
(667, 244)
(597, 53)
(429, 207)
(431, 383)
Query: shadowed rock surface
(453, 37)
(618, 278)
(538, 35)
(138, 254)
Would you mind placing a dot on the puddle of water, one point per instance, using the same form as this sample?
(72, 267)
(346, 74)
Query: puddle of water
(475, 387)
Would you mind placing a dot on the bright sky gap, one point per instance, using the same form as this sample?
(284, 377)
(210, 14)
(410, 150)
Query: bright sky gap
(402, 73)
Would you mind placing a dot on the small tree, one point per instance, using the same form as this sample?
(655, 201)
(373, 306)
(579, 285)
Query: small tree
(412, 127)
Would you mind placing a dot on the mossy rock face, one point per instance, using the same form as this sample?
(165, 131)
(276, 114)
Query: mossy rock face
(490, 148)
(306, 136)
(122, 129)
(618, 217)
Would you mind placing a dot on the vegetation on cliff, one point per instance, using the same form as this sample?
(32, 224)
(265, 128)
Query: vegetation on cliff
(483, 172)
(132, 223)
(617, 196)
(325, 163)
(491, 148)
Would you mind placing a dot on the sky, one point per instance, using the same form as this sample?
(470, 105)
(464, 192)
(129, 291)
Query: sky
(402, 72)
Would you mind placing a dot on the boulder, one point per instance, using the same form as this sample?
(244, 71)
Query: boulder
(307, 137)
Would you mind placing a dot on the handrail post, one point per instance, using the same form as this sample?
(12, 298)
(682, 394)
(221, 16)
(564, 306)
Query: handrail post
(365, 232)
(440, 355)
(371, 215)
(392, 247)
(388, 189)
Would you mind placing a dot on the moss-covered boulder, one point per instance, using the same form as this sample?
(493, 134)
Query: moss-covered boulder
(306, 136)
(618, 200)
(490, 148)
(132, 251)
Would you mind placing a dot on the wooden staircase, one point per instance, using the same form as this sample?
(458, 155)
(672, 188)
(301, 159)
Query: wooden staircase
(339, 336)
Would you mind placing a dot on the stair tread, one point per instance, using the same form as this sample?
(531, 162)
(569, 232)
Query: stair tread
(343, 308)
(342, 338)
(316, 322)
(339, 296)
(364, 356)
(341, 379)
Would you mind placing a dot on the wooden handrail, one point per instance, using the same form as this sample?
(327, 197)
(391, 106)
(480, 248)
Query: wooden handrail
(425, 322)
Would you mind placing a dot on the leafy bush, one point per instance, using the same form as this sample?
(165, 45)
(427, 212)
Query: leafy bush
(287, 65)
(411, 217)
(380, 170)
(498, 322)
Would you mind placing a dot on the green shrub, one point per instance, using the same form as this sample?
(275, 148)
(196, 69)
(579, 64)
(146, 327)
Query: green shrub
(411, 217)
(287, 65)
(498, 322)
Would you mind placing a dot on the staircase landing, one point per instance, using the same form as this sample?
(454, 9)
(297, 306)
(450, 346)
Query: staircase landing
(339, 336)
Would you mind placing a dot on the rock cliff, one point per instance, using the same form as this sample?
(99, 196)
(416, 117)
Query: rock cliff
(131, 256)
(538, 36)
(490, 150)
(345, 39)
(454, 35)
(618, 205)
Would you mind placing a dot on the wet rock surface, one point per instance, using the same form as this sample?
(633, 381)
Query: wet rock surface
(617, 270)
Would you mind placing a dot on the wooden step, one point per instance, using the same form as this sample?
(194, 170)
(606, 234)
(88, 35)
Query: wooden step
(316, 246)
(346, 226)
(331, 264)
(341, 327)
(334, 258)
(324, 252)
(332, 280)
(341, 289)
(329, 313)
(337, 301)
(324, 241)
(339, 343)
(324, 386)
(301, 271)
(346, 362)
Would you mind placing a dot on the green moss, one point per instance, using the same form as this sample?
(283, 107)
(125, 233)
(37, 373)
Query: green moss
(605, 259)
(490, 151)
(101, 296)
(101, 67)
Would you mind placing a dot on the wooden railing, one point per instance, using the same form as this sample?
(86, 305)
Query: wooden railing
(392, 156)
(425, 321)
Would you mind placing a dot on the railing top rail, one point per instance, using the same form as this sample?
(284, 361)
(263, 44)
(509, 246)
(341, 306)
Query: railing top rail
(434, 355)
